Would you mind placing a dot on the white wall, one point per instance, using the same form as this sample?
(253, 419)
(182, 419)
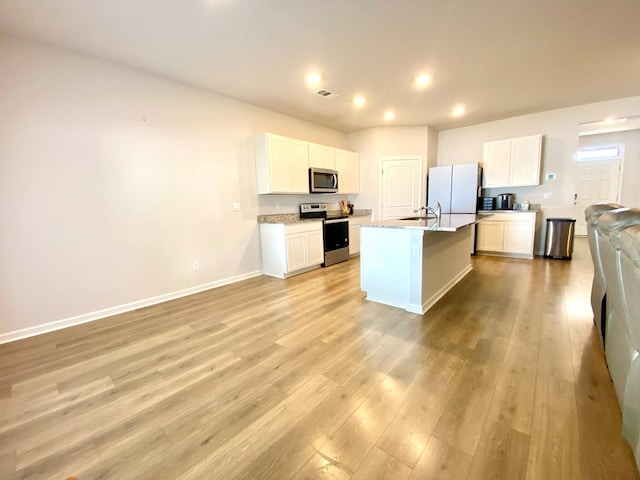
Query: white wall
(113, 181)
(560, 130)
(374, 143)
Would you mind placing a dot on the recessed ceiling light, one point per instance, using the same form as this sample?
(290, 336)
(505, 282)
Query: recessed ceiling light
(389, 115)
(457, 111)
(314, 79)
(359, 101)
(423, 80)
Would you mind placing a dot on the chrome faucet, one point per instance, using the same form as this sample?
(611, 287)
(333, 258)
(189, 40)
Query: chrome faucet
(437, 211)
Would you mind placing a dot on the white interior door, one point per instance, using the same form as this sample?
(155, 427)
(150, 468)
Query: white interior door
(401, 186)
(596, 182)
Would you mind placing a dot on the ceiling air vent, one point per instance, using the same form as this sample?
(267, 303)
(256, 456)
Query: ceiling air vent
(325, 93)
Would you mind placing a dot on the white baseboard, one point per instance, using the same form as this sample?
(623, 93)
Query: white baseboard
(127, 307)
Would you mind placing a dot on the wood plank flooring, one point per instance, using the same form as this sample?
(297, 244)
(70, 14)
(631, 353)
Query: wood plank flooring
(303, 378)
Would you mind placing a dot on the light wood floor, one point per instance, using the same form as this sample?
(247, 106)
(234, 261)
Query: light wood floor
(302, 378)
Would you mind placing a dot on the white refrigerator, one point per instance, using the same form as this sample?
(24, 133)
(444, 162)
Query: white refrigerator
(456, 187)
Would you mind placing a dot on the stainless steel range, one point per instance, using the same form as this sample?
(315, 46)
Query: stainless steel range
(335, 231)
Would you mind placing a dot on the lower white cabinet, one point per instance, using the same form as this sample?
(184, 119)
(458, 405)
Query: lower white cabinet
(490, 236)
(507, 234)
(354, 233)
(289, 249)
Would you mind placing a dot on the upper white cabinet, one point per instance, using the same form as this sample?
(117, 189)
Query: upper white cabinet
(526, 154)
(282, 164)
(496, 163)
(348, 167)
(513, 162)
(321, 156)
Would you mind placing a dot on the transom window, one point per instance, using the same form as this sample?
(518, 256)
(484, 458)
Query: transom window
(602, 152)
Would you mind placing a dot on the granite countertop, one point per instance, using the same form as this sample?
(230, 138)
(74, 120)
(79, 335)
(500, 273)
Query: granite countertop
(295, 217)
(448, 222)
(483, 212)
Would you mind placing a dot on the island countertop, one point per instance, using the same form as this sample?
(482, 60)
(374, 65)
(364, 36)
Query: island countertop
(448, 222)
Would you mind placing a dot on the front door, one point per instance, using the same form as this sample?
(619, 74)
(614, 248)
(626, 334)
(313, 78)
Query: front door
(401, 185)
(596, 182)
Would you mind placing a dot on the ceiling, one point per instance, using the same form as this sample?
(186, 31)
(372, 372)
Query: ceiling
(499, 58)
(609, 125)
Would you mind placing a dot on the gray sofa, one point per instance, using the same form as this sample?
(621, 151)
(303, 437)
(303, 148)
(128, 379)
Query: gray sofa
(630, 280)
(615, 234)
(598, 286)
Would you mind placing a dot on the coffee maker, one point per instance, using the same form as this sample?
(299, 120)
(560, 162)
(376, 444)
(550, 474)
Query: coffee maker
(505, 201)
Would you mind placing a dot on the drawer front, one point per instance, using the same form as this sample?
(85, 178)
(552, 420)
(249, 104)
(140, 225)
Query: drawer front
(303, 227)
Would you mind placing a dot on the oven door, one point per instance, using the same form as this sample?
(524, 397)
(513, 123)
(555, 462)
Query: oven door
(336, 241)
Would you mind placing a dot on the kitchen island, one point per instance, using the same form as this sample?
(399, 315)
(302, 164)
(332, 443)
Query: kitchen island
(411, 264)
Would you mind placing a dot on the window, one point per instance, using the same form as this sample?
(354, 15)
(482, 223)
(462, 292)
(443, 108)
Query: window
(602, 152)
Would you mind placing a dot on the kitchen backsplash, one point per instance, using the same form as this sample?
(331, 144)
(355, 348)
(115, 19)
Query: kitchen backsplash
(280, 204)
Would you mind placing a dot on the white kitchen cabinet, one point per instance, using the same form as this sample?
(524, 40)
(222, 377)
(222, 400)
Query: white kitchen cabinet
(290, 249)
(490, 236)
(496, 163)
(348, 166)
(513, 162)
(518, 236)
(321, 156)
(354, 233)
(282, 164)
(296, 251)
(526, 154)
(510, 234)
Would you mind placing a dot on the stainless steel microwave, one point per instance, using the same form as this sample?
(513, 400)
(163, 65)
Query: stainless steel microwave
(322, 180)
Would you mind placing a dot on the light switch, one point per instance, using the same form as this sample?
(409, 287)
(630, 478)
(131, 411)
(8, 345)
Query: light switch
(235, 206)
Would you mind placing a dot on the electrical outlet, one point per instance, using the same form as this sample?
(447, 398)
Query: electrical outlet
(235, 206)
(196, 265)
(415, 250)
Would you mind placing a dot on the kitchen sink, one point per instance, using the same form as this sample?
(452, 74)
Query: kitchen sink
(418, 218)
